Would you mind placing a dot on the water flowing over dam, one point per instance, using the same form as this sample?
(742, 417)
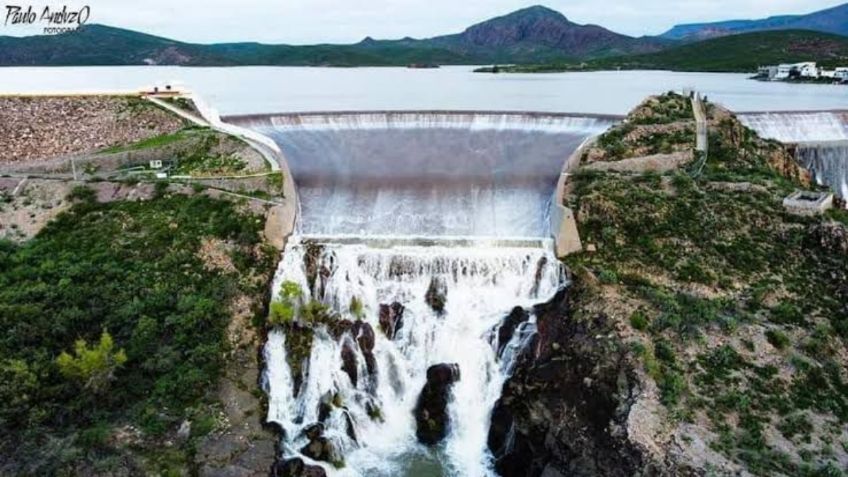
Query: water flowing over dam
(820, 140)
(435, 225)
(428, 173)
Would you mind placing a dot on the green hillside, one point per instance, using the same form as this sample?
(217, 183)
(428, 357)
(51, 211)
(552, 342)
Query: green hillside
(737, 53)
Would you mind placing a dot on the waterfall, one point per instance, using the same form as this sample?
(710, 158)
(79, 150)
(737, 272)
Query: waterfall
(427, 174)
(820, 139)
(828, 162)
(799, 127)
(371, 423)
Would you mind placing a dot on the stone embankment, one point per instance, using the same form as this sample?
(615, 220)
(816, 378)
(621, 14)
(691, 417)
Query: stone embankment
(35, 128)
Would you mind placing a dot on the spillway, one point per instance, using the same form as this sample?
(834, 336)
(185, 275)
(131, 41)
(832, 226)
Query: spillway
(425, 174)
(397, 208)
(820, 140)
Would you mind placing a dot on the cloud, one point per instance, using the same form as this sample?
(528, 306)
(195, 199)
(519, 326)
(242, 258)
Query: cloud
(345, 21)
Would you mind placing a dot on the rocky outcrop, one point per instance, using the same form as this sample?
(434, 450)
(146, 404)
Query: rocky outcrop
(296, 468)
(363, 334)
(391, 319)
(319, 448)
(431, 411)
(437, 294)
(507, 328)
(565, 409)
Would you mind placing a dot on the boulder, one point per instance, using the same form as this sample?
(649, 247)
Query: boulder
(296, 468)
(319, 447)
(437, 294)
(431, 410)
(364, 334)
(349, 362)
(391, 319)
(508, 325)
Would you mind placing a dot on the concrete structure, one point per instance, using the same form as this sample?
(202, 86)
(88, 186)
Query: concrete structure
(841, 74)
(808, 203)
(805, 69)
(767, 72)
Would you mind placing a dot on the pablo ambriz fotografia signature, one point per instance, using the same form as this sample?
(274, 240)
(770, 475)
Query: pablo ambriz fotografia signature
(55, 20)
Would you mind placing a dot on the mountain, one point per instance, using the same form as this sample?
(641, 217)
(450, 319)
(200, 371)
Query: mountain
(531, 35)
(540, 30)
(832, 20)
(740, 53)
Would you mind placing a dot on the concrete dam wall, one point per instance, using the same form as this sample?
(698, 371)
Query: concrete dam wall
(820, 140)
(426, 174)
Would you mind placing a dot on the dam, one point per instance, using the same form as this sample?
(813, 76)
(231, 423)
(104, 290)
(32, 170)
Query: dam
(820, 140)
(426, 174)
(437, 224)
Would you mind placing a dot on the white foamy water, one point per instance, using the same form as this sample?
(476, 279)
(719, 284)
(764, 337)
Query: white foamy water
(483, 285)
(799, 127)
(828, 162)
(472, 121)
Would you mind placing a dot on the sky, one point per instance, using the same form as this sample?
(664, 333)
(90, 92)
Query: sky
(349, 21)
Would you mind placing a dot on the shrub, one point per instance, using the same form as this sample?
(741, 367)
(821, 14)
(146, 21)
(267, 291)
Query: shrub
(93, 366)
(639, 321)
(608, 276)
(283, 311)
(777, 338)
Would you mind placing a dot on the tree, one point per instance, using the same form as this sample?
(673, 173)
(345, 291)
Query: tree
(283, 310)
(94, 367)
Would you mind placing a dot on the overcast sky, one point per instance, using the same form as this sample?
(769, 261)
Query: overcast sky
(347, 21)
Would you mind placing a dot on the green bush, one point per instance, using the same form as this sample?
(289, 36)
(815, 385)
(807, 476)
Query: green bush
(639, 321)
(93, 366)
(777, 338)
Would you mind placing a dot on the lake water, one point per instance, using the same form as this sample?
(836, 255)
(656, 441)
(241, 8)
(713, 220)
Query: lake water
(248, 90)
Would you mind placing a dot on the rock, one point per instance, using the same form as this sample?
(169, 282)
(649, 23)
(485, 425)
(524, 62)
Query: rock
(296, 468)
(364, 334)
(565, 409)
(319, 447)
(184, 432)
(431, 410)
(349, 362)
(437, 294)
(391, 319)
(507, 328)
(314, 431)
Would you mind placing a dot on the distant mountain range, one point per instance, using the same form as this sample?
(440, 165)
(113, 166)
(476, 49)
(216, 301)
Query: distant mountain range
(832, 20)
(532, 35)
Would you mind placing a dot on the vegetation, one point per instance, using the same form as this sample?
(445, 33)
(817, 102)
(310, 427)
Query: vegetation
(195, 151)
(739, 308)
(736, 53)
(112, 318)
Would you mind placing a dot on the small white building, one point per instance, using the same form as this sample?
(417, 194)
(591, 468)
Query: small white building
(841, 74)
(806, 69)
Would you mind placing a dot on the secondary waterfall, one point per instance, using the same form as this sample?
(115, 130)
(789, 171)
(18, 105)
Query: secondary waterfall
(482, 285)
(397, 208)
(828, 162)
(820, 139)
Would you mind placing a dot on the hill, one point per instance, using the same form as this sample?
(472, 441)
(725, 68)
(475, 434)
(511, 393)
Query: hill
(736, 53)
(742, 53)
(832, 20)
(535, 34)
